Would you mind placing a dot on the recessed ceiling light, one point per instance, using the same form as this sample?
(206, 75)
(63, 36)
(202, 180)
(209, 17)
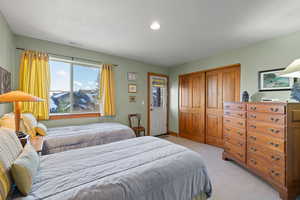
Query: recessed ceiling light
(155, 26)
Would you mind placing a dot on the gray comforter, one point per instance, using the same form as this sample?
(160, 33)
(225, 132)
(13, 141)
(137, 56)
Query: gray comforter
(145, 168)
(72, 137)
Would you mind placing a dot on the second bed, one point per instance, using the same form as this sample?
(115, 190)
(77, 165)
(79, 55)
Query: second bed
(73, 137)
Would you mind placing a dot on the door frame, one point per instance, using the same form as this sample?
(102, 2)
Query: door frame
(148, 99)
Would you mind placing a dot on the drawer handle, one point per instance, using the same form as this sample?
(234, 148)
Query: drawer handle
(253, 161)
(227, 106)
(274, 120)
(274, 109)
(275, 158)
(253, 149)
(227, 113)
(240, 107)
(241, 144)
(239, 133)
(253, 108)
(275, 173)
(252, 126)
(241, 155)
(273, 144)
(273, 130)
(253, 137)
(228, 129)
(240, 123)
(240, 114)
(253, 116)
(227, 120)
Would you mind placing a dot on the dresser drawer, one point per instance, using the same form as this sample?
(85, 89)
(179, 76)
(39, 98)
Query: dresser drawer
(267, 141)
(237, 152)
(272, 130)
(234, 106)
(273, 157)
(266, 108)
(234, 113)
(236, 142)
(277, 119)
(235, 122)
(273, 172)
(231, 131)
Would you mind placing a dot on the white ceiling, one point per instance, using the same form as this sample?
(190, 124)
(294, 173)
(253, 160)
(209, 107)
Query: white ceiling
(190, 29)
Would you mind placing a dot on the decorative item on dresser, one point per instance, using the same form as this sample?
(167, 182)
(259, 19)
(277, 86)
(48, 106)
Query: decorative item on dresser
(272, 139)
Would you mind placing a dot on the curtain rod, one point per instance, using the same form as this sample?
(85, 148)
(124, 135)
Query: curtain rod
(23, 49)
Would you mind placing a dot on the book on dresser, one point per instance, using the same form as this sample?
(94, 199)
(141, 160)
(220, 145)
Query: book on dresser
(264, 137)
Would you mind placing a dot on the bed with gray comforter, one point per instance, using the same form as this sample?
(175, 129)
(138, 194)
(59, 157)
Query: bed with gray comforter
(144, 168)
(72, 137)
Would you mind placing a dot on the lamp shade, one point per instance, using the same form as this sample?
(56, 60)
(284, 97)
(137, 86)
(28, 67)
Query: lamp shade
(18, 96)
(293, 70)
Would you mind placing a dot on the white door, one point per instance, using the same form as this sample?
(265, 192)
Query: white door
(158, 105)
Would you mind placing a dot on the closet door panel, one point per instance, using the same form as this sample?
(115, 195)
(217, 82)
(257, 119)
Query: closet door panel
(231, 85)
(192, 106)
(213, 116)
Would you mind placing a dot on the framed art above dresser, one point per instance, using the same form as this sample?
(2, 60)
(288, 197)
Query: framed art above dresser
(265, 138)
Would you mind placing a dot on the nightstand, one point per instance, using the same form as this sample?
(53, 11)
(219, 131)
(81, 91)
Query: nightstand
(24, 140)
(37, 143)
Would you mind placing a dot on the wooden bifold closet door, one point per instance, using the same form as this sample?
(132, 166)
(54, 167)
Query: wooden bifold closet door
(201, 97)
(192, 106)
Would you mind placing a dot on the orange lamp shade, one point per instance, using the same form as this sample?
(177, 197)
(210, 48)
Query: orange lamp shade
(18, 96)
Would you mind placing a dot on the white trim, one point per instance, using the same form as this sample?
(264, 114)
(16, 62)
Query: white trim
(75, 62)
(77, 113)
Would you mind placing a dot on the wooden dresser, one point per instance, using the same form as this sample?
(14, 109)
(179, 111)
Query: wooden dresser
(234, 130)
(271, 143)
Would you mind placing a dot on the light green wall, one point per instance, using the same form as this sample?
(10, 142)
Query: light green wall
(269, 54)
(7, 56)
(124, 65)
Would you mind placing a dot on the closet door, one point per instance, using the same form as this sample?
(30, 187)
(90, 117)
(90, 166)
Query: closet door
(214, 108)
(221, 85)
(192, 106)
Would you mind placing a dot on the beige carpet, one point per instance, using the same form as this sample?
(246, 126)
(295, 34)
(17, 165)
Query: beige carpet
(229, 180)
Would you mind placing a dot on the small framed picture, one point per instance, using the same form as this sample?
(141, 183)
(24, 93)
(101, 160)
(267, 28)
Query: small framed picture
(270, 80)
(131, 76)
(132, 88)
(132, 99)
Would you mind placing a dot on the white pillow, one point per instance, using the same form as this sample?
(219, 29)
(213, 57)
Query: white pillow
(30, 123)
(8, 121)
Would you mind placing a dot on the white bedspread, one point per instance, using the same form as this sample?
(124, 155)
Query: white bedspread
(72, 137)
(144, 168)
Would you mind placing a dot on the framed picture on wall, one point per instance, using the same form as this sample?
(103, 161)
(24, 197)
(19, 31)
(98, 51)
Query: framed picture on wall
(131, 76)
(270, 80)
(132, 88)
(5, 81)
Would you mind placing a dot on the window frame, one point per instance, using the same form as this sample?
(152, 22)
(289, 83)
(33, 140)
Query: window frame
(71, 114)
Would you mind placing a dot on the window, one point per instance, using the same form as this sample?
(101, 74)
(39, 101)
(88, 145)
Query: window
(74, 87)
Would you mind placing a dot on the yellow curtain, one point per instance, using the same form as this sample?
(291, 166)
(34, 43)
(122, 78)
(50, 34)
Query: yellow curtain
(35, 80)
(107, 90)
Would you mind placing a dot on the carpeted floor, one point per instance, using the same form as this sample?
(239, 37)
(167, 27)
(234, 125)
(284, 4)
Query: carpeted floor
(229, 180)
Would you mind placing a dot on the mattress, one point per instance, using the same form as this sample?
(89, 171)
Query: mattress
(72, 137)
(144, 168)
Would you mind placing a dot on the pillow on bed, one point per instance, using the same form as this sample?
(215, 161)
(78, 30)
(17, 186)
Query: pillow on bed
(25, 168)
(41, 129)
(10, 149)
(5, 183)
(30, 123)
(8, 121)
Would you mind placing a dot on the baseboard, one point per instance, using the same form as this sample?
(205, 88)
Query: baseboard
(173, 133)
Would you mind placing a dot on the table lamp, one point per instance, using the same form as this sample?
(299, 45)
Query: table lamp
(16, 97)
(293, 70)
